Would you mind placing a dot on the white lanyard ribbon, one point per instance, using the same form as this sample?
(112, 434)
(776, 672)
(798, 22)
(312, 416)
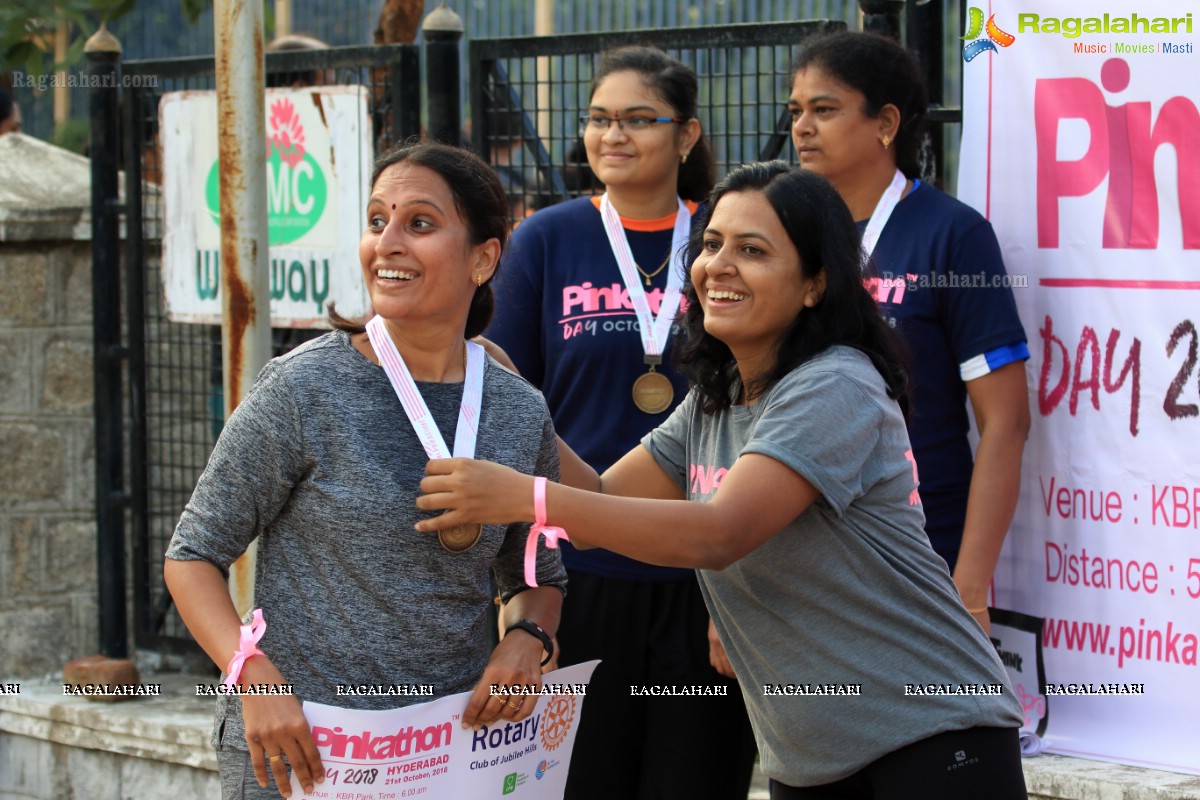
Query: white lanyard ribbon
(654, 330)
(883, 211)
(415, 409)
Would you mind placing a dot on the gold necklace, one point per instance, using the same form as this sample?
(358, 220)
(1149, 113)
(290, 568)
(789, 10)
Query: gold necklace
(649, 275)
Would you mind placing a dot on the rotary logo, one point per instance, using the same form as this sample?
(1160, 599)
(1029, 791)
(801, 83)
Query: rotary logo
(975, 28)
(557, 720)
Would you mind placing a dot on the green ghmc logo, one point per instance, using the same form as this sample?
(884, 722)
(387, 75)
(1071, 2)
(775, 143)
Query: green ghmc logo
(975, 28)
(297, 191)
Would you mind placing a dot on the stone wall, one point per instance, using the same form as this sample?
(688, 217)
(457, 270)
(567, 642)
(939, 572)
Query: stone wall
(69, 748)
(48, 611)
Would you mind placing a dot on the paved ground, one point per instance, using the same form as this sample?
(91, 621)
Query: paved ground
(758, 786)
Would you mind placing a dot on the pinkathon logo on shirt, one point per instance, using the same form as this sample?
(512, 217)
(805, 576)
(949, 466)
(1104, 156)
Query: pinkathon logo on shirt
(589, 300)
(704, 480)
(588, 309)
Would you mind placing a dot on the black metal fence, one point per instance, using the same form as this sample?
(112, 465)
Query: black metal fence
(528, 93)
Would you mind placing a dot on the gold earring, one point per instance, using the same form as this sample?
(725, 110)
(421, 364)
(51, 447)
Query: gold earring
(479, 279)
(887, 140)
(683, 158)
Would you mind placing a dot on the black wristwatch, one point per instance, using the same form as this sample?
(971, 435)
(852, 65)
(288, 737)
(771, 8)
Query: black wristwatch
(533, 629)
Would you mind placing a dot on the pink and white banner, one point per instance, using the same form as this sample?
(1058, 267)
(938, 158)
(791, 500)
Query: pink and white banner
(1081, 144)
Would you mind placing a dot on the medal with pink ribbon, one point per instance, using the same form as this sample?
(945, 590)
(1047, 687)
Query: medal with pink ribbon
(653, 392)
(459, 538)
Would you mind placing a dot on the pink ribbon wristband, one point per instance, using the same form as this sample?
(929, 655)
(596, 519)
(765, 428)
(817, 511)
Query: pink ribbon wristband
(248, 647)
(551, 532)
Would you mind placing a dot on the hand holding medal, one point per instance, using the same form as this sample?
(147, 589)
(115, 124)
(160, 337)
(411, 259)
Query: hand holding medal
(459, 538)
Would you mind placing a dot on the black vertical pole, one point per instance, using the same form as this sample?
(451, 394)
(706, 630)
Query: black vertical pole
(443, 31)
(923, 38)
(405, 93)
(138, 137)
(882, 16)
(482, 100)
(104, 55)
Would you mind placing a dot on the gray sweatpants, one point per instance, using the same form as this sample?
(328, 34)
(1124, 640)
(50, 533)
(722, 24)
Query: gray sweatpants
(237, 777)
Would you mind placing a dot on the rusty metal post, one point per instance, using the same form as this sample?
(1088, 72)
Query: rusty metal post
(245, 288)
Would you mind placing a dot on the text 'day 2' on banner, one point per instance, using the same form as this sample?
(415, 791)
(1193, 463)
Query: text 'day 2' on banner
(318, 166)
(1081, 144)
(423, 750)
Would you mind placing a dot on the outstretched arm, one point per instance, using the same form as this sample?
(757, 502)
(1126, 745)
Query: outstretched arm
(575, 471)
(757, 498)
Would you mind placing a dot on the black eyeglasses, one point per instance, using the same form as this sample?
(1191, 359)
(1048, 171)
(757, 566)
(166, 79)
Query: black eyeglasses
(633, 124)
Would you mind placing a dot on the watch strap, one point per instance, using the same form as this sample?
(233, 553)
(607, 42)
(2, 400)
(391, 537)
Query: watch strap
(535, 630)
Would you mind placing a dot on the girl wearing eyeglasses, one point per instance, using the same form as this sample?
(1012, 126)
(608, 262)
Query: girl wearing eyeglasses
(586, 310)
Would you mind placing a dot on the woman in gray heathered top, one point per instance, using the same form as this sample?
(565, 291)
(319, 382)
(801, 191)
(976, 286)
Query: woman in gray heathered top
(786, 477)
(321, 464)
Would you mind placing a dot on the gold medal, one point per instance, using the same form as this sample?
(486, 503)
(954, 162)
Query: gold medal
(460, 538)
(653, 392)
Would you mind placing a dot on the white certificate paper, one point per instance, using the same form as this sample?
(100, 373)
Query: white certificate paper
(423, 750)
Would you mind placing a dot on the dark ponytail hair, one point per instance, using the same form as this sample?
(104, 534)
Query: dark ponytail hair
(885, 73)
(826, 238)
(480, 200)
(677, 86)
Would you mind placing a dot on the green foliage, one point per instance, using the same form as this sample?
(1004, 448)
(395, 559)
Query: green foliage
(72, 135)
(192, 9)
(27, 30)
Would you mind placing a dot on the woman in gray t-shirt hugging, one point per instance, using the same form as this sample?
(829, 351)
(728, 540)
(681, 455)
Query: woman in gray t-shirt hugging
(863, 673)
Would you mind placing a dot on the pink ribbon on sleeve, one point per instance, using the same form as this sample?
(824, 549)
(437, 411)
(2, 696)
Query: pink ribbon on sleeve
(251, 635)
(551, 532)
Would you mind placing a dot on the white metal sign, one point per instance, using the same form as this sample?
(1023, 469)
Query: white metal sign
(318, 166)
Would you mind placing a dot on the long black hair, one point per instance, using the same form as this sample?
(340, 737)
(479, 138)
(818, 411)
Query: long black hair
(480, 200)
(676, 85)
(885, 73)
(819, 225)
